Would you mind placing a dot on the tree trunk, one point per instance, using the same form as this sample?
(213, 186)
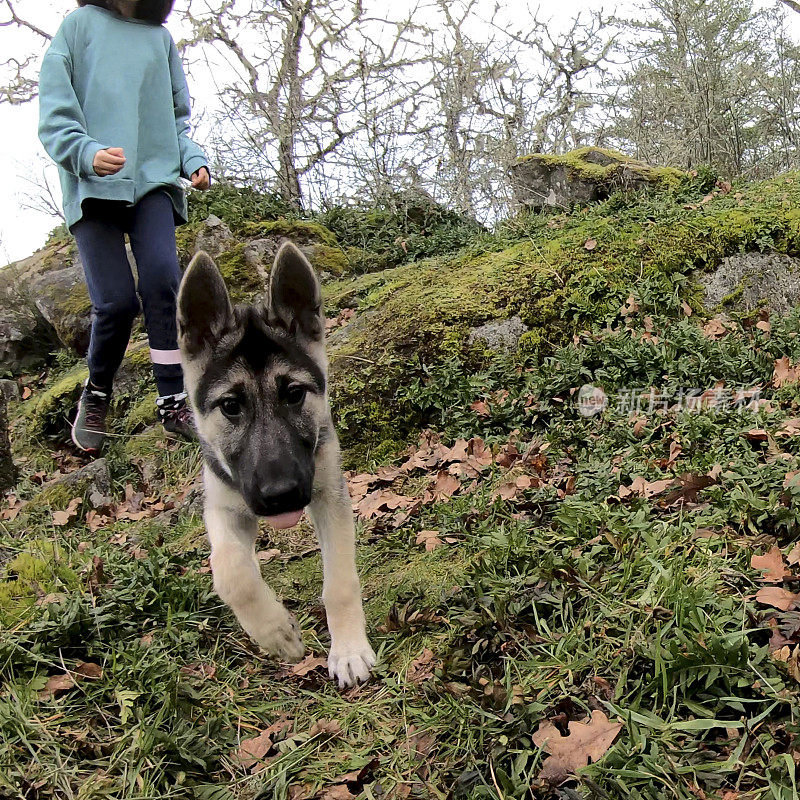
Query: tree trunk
(8, 471)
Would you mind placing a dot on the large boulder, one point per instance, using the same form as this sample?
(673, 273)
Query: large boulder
(582, 176)
(63, 301)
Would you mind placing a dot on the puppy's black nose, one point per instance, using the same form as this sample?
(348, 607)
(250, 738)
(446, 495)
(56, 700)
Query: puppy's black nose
(269, 501)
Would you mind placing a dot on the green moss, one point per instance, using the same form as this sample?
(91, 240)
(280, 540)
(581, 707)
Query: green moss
(330, 259)
(77, 302)
(38, 570)
(141, 414)
(56, 497)
(576, 162)
(185, 238)
(53, 406)
(644, 245)
(138, 356)
(296, 229)
(243, 281)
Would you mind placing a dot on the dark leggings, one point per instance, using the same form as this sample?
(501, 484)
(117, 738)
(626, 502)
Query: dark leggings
(100, 235)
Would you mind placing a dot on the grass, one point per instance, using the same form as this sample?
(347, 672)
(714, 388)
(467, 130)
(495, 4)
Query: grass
(547, 606)
(566, 599)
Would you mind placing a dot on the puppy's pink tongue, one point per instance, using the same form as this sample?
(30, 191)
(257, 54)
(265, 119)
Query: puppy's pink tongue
(288, 520)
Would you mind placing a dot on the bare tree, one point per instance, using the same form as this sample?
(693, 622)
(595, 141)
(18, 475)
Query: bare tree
(19, 82)
(296, 64)
(40, 195)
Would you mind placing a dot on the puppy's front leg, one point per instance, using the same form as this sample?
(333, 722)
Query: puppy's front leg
(232, 530)
(351, 656)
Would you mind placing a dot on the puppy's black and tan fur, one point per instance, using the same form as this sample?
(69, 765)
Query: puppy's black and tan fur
(256, 376)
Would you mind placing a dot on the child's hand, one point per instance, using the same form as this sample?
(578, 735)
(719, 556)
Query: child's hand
(201, 179)
(109, 162)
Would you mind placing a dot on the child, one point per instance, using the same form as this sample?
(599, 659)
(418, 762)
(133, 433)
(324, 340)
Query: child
(114, 116)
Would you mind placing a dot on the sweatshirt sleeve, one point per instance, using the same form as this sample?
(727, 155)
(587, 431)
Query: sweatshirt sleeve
(62, 125)
(192, 156)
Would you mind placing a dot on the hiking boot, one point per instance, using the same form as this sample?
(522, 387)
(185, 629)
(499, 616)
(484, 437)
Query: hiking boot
(176, 416)
(89, 428)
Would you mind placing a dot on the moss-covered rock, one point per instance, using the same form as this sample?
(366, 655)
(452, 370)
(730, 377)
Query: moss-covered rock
(557, 274)
(585, 175)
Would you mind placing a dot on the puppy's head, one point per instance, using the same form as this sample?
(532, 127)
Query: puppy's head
(256, 380)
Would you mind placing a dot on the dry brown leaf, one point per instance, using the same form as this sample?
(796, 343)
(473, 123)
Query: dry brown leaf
(203, 672)
(764, 325)
(794, 555)
(756, 435)
(784, 372)
(687, 309)
(590, 244)
(790, 427)
(326, 727)
(443, 488)
(771, 564)
(309, 664)
(422, 667)
(689, 486)
(56, 685)
(776, 597)
(480, 408)
(90, 670)
(586, 742)
(266, 556)
(430, 539)
(337, 792)
(714, 329)
(26, 392)
(61, 518)
(252, 751)
(630, 307)
(674, 451)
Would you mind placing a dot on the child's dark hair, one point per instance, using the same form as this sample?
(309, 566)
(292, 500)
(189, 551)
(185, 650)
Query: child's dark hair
(155, 11)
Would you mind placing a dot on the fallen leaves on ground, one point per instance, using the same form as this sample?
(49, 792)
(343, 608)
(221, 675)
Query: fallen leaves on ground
(714, 329)
(774, 596)
(61, 518)
(343, 318)
(253, 751)
(59, 684)
(422, 667)
(585, 743)
(784, 372)
(683, 489)
(630, 307)
(771, 564)
(308, 664)
(325, 727)
(431, 540)
(374, 498)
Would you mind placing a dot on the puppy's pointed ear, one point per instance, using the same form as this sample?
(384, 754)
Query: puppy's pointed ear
(204, 307)
(295, 298)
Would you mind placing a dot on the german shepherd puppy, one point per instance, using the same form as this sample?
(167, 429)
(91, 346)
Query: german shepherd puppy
(256, 377)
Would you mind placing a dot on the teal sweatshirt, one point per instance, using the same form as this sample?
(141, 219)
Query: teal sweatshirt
(108, 81)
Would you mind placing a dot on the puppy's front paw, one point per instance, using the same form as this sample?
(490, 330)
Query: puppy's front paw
(280, 636)
(350, 661)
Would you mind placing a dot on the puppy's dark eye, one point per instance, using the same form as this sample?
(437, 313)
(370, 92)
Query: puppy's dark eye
(231, 408)
(294, 394)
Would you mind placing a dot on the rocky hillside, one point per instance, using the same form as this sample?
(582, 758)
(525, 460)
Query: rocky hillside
(566, 603)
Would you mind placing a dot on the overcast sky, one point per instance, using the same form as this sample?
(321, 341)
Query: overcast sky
(23, 231)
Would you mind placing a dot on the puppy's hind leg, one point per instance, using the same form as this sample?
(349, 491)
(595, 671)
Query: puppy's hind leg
(351, 657)
(232, 530)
